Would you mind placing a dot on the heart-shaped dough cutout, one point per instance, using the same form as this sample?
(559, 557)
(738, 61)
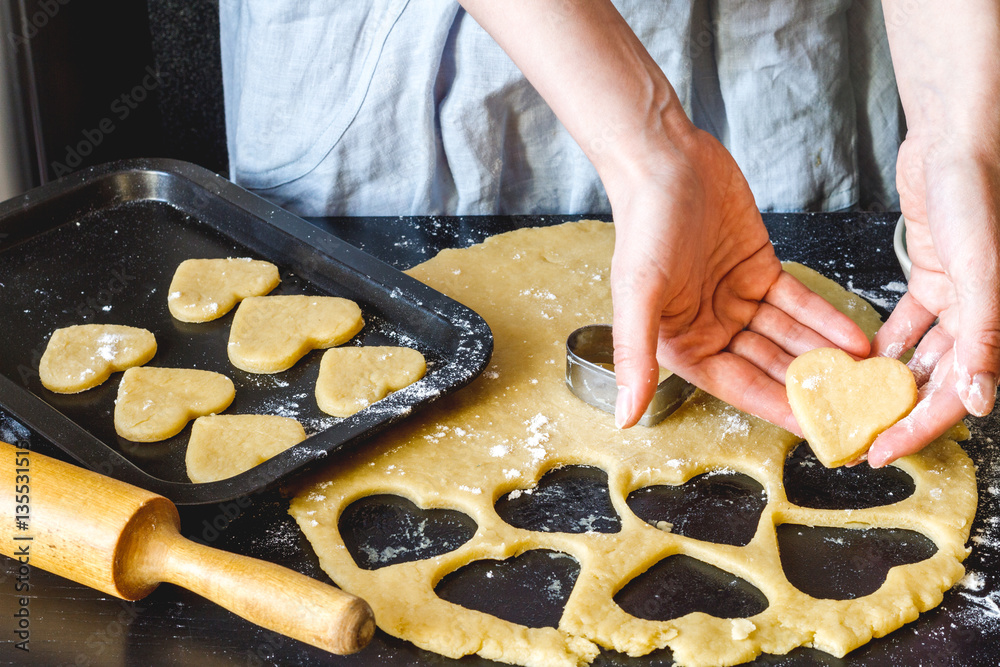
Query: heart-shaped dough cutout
(271, 333)
(155, 403)
(842, 405)
(206, 289)
(222, 446)
(83, 356)
(352, 378)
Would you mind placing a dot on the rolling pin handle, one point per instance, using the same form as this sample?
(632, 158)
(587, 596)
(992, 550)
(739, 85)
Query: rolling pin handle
(267, 594)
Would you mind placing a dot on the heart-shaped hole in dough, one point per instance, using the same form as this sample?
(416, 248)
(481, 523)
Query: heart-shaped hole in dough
(384, 530)
(155, 403)
(720, 507)
(842, 405)
(530, 589)
(572, 499)
(679, 585)
(809, 484)
(843, 563)
(83, 356)
(206, 289)
(270, 333)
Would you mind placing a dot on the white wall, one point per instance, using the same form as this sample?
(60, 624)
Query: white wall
(14, 165)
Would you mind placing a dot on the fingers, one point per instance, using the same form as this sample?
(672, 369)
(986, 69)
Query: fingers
(938, 409)
(815, 312)
(977, 392)
(762, 353)
(786, 332)
(977, 349)
(906, 324)
(775, 336)
(963, 213)
(740, 383)
(635, 331)
(928, 354)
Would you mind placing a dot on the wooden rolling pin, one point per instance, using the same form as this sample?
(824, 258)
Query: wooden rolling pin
(124, 541)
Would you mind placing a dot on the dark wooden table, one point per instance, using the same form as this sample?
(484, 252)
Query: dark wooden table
(72, 625)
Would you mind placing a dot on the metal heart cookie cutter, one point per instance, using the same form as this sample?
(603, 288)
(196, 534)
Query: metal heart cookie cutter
(590, 375)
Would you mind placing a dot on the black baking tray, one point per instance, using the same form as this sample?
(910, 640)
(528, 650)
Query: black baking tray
(101, 246)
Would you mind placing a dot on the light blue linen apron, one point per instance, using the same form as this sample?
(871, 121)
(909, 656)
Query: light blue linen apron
(407, 107)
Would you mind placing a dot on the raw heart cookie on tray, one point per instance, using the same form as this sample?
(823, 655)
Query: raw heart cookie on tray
(352, 378)
(271, 333)
(82, 356)
(222, 446)
(206, 289)
(156, 403)
(518, 421)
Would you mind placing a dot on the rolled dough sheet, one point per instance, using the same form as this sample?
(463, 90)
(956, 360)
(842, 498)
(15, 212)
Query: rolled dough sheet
(222, 446)
(83, 356)
(842, 404)
(271, 333)
(518, 421)
(206, 289)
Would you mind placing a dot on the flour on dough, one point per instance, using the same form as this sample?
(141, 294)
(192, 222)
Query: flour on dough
(222, 446)
(83, 356)
(842, 404)
(352, 378)
(206, 289)
(271, 333)
(155, 403)
(518, 420)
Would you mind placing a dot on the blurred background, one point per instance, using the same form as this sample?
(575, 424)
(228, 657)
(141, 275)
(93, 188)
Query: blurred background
(83, 83)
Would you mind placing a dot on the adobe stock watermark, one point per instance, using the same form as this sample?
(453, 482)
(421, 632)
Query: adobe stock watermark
(869, 217)
(120, 109)
(607, 138)
(21, 547)
(901, 12)
(264, 653)
(103, 640)
(562, 11)
(31, 25)
(702, 41)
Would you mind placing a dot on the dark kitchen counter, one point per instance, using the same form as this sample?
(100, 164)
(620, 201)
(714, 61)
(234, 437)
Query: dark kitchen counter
(73, 625)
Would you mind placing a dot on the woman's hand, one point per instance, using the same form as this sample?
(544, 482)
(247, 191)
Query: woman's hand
(948, 174)
(698, 289)
(695, 282)
(950, 196)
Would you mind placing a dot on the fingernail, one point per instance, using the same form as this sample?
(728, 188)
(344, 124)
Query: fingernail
(623, 407)
(876, 459)
(857, 461)
(982, 394)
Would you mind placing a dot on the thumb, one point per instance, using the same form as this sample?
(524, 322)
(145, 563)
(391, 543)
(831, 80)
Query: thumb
(964, 210)
(977, 348)
(635, 331)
